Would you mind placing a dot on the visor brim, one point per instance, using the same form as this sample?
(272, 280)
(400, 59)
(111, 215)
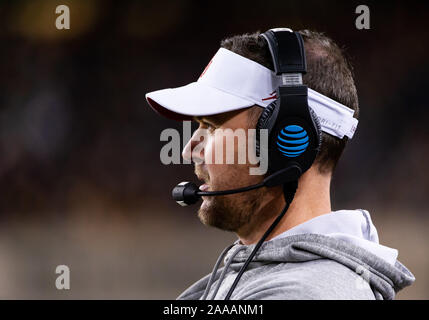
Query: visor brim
(194, 99)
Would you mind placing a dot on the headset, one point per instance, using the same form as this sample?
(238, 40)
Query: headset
(294, 133)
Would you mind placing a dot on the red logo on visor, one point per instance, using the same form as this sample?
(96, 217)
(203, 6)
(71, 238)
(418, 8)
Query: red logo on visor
(205, 69)
(272, 96)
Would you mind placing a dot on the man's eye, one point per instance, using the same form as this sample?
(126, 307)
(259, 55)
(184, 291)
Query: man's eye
(208, 126)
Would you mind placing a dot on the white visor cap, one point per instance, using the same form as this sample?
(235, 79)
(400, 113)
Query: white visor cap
(232, 82)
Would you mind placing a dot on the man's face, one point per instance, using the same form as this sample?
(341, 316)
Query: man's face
(228, 212)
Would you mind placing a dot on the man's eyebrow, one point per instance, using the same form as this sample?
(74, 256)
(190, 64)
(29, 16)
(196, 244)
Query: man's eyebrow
(218, 119)
(210, 120)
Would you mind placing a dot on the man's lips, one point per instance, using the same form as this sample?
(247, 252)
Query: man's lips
(204, 187)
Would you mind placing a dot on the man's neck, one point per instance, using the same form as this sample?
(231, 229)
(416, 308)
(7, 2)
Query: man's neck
(312, 199)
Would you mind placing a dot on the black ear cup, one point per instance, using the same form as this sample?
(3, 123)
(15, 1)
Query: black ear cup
(284, 150)
(264, 119)
(266, 115)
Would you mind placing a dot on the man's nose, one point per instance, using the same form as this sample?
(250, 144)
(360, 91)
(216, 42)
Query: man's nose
(189, 153)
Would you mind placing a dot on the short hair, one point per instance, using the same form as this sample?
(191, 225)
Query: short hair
(328, 72)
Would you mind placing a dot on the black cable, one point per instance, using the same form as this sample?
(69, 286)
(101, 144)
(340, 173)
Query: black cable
(289, 190)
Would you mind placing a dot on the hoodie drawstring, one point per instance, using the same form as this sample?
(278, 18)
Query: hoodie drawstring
(216, 266)
(225, 269)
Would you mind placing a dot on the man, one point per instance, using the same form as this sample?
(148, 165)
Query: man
(313, 252)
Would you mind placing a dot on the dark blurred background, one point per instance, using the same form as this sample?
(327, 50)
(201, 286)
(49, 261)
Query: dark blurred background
(81, 181)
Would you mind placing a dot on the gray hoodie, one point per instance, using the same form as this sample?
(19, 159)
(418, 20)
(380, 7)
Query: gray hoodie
(332, 256)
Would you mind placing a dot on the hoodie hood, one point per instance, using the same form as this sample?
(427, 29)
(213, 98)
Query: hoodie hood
(325, 244)
(352, 226)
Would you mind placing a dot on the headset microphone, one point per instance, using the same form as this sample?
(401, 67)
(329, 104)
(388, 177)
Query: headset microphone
(186, 193)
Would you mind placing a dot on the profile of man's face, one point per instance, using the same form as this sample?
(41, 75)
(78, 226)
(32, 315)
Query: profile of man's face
(228, 212)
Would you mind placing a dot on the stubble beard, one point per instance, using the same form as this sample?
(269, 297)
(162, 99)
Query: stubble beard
(230, 212)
